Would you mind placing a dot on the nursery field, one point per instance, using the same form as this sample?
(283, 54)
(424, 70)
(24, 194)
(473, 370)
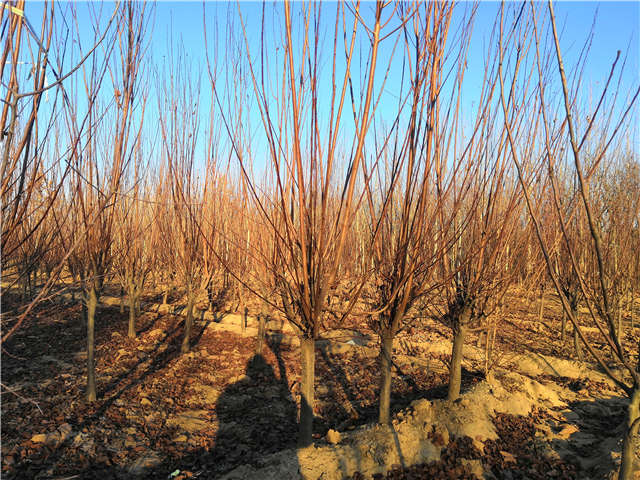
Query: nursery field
(319, 240)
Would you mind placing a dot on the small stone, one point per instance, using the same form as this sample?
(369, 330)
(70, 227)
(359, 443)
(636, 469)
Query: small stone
(333, 437)
(145, 402)
(115, 334)
(39, 438)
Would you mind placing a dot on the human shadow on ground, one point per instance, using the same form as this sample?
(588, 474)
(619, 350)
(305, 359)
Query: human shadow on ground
(256, 416)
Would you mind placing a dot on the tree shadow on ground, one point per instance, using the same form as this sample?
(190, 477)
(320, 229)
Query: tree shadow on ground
(351, 406)
(575, 442)
(65, 332)
(164, 351)
(597, 427)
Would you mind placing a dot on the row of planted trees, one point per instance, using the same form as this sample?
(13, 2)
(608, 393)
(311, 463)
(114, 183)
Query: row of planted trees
(307, 185)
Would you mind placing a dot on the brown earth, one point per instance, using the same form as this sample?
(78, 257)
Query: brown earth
(221, 410)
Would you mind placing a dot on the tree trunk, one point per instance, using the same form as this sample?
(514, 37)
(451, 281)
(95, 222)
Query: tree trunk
(121, 300)
(92, 302)
(210, 295)
(386, 357)
(563, 327)
(165, 295)
(307, 352)
(459, 334)
(131, 333)
(633, 424)
(243, 321)
(188, 323)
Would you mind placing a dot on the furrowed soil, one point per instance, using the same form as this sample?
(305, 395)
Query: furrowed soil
(222, 411)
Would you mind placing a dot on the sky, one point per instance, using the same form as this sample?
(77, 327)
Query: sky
(615, 27)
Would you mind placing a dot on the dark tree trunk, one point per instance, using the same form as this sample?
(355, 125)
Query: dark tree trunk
(92, 302)
(577, 345)
(307, 352)
(131, 332)
(188, 323)
(541, 310)
(210, 295)
(386, 361)
(243, 320)
(460, 323)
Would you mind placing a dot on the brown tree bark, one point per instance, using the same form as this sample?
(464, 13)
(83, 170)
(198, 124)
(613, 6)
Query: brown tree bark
(91, 304)
(460, 322)
(131, 332)
(307, 401)
(188, 323)
(386, 362)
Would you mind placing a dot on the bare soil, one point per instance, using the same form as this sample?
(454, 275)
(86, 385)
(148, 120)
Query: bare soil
(221, 408)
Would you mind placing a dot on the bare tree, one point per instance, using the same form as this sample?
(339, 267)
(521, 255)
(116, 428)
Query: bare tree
(97, 183)
(31, 178)
(405, 221)
(312, 198)
(595, 285)
(180, 124)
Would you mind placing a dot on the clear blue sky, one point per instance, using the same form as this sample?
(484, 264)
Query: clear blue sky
(616, 28)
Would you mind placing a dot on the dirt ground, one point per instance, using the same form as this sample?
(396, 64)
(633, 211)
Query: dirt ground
(222, 410)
